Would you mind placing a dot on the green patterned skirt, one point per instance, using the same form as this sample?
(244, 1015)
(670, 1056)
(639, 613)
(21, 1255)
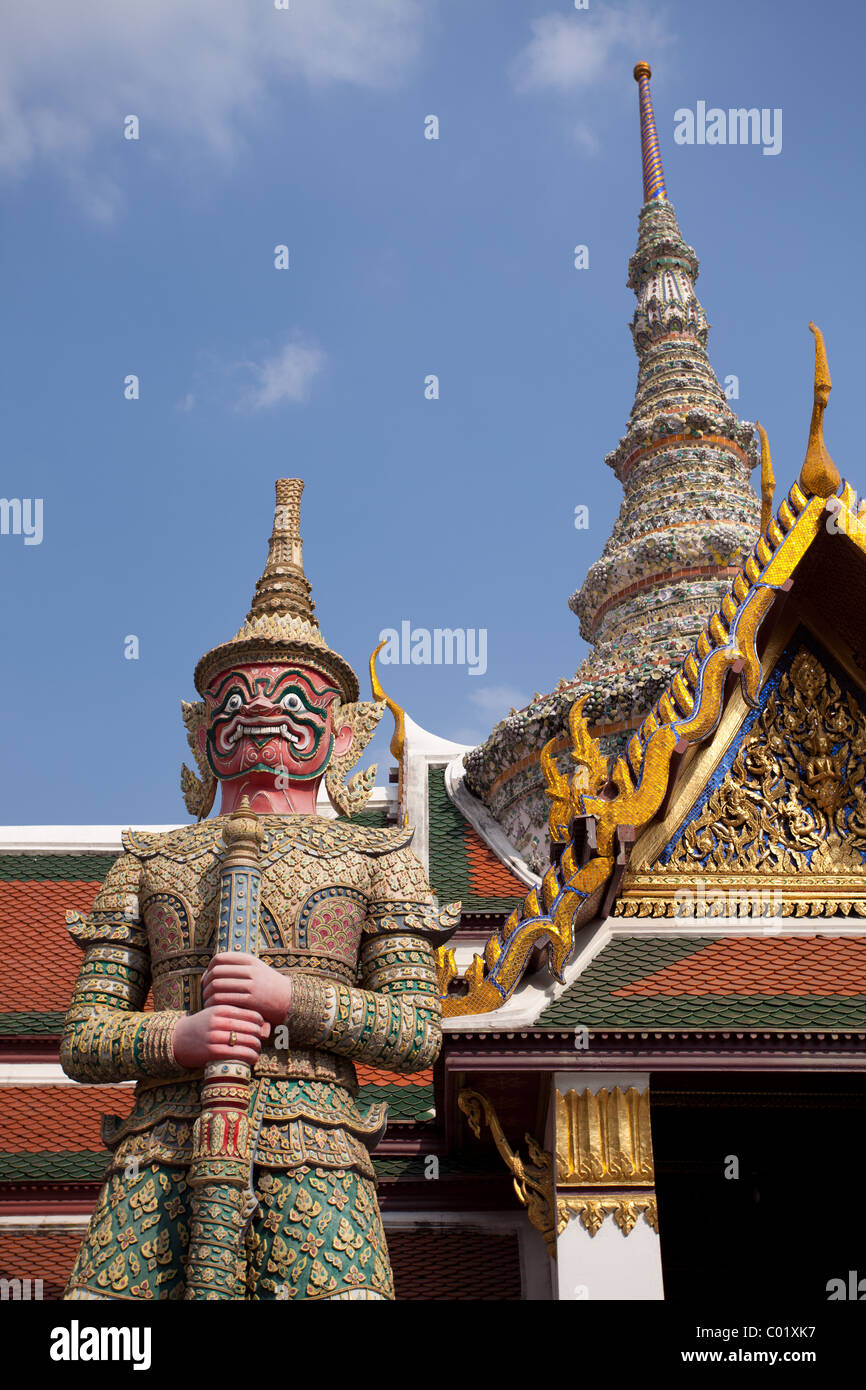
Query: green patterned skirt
(316, 1233)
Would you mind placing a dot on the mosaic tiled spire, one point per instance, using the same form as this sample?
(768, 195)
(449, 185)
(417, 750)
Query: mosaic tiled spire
(688, 521)
(689, 515)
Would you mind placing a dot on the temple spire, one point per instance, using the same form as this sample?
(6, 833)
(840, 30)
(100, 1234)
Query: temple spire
(687, 524)
(689, 516)
(653, 174)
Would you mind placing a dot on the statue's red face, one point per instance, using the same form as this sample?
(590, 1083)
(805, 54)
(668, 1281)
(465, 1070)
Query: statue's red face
(272, 721)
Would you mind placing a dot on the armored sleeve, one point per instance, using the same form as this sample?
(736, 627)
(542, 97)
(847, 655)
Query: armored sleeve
(107, 1036)
(393, 1019)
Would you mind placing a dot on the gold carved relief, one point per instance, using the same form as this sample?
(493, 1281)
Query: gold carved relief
(603, 1138)
(795, 798)
(785, 832)
(626, 1208)
(604, 1142)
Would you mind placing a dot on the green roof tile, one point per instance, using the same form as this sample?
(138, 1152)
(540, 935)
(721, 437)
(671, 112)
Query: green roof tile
(415, 1168)
(449, 861)
(592, 1000)
(53, 1167)
(28, 1024)
(77, 868)
(404, 1102)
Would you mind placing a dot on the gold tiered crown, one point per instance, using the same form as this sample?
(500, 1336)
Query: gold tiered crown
(281, 624)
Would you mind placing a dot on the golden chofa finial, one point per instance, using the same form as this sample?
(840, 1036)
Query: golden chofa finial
(768, 481)
(642, 69)
(397, 711)
(819, 476)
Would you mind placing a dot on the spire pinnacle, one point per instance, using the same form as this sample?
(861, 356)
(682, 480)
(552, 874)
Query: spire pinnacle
(284, 584)
(281, 624)
(653, 174)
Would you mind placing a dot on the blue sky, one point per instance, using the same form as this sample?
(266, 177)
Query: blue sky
(407, 257)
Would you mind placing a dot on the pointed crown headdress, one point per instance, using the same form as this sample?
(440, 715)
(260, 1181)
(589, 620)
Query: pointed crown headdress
(281, 624)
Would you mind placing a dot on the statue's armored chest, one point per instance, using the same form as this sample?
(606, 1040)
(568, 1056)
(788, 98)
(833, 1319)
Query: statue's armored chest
(312, 910)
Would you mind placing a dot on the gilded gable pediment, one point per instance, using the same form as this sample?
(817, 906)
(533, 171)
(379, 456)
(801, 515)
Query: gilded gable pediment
(780, 826)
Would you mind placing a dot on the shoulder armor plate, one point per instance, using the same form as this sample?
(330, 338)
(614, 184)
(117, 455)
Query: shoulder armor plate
(325, 838)
(316, 835)
(187, 842)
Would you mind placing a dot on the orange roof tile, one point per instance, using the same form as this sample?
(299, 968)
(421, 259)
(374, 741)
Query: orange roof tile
(445, 1263)
(373, 1076)
(39, 960)
(45, 1254)
(489, 877)
(58, 1119)
(813, 965)
(67, 1118)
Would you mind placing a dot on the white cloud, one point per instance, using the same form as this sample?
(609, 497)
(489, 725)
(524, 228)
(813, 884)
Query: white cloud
(193, 71)
(287, 376)
(584, 48)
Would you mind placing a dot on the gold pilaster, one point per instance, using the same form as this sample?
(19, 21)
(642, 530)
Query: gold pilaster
(604, 1158)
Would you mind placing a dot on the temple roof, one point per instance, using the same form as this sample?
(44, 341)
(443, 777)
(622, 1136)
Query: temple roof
(462, 866)
(39, 961)
(747, 982)
(429, 1262)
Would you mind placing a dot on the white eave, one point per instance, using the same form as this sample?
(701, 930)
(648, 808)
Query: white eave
(421, 751)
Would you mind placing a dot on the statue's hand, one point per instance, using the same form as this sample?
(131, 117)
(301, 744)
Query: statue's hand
(206, 1036)
(247, 983)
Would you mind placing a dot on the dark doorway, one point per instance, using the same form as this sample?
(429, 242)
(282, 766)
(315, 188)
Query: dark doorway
(792, 1220)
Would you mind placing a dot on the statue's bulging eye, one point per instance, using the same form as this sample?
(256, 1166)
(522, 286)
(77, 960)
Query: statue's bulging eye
(233, 703)
(293, 702)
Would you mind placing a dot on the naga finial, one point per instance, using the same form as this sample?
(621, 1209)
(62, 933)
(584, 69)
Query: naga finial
(399, 735)
(653, 174)
(819, 476)
(768, 480)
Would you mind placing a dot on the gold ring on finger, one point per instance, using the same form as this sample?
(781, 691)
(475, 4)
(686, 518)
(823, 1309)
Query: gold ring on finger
(233, 1037)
